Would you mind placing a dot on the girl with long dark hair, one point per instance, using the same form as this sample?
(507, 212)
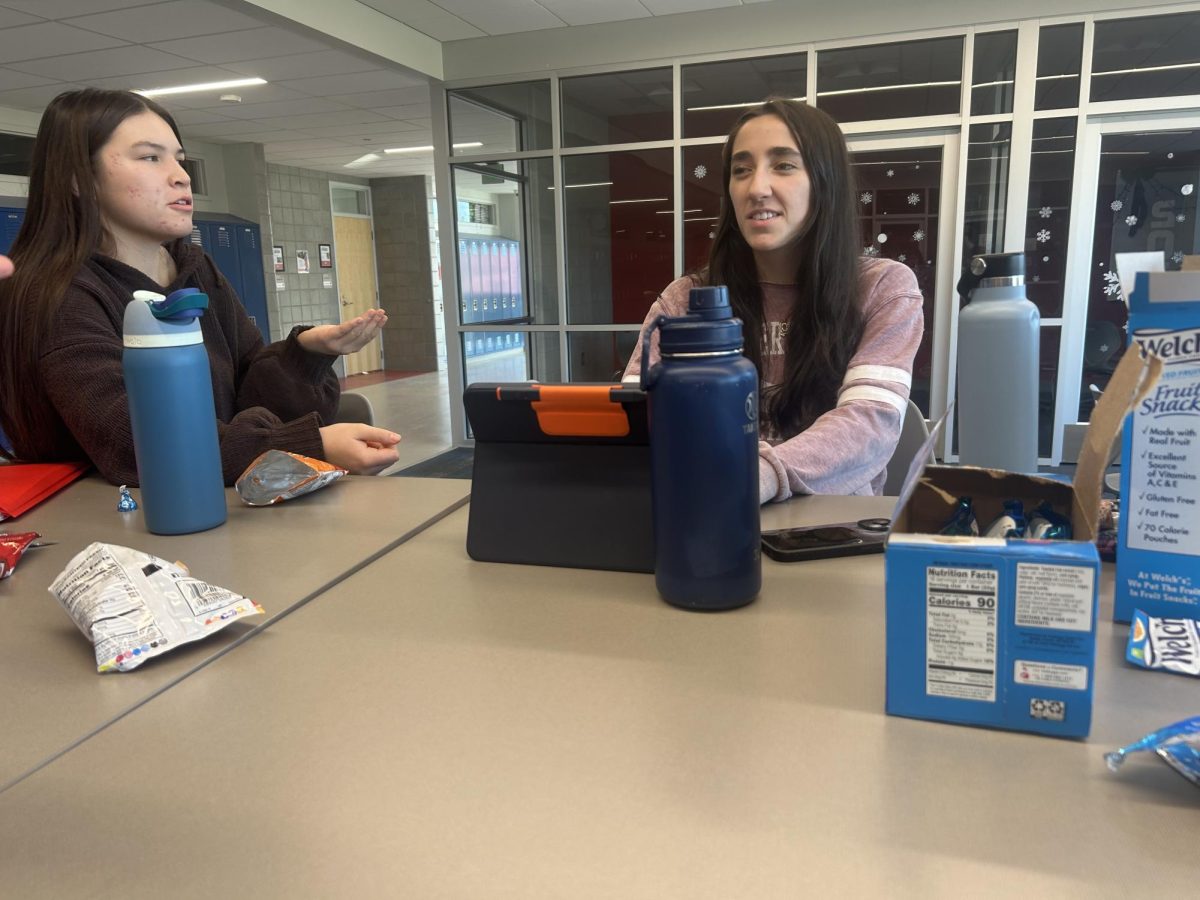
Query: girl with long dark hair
(110, 212)
(833, 334)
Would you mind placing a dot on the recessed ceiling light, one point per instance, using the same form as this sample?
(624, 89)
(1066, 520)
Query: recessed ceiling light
(208, 86)
(429, 148)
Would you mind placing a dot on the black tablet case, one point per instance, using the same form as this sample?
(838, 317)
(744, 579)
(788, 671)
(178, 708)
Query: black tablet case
(553, 499)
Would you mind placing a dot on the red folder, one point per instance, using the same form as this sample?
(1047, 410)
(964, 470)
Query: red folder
(25, 485)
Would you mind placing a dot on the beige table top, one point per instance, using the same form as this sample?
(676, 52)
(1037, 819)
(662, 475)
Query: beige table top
(50, 692)
(435, 727)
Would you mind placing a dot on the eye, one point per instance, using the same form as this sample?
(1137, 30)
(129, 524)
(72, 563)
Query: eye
(151, 157)
(739, 170)
(787, 167)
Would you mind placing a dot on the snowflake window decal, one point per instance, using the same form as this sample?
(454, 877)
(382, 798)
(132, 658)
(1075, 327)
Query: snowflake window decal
(1045, 212)
(1045, 259)
(890, 172)
(1116, 206)
(866, 197)
(700, 171)
(1112, 284)
(914, 198)
(1180, 217)
(1177, 257)
(1131, 221)
(872, 250)
(902, 258)
(1043, 235)
(918, 235)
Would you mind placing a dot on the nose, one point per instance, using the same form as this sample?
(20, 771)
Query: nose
(760, 183)
(179, 175)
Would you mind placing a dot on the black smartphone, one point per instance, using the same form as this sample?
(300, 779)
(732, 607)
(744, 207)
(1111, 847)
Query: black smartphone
(825, 541)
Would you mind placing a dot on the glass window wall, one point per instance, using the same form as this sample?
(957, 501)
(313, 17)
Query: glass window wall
(619, 108)
(620, 234)
(891, 81)
(502, 118)
(1146, 56)
(715, 94)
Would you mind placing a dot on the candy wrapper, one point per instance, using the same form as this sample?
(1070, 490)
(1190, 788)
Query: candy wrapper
(278, 475)
(1177, 745)
(13, 547)
(133, 606)
(1169, 644)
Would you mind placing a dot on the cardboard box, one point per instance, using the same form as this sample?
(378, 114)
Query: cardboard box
(1158, 538)
(993, 631)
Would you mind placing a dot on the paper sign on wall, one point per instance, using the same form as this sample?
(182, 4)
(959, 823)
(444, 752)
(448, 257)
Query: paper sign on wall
(326, 280)
(279, 283)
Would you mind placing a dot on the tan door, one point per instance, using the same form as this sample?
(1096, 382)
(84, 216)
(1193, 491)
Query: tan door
(356, 284)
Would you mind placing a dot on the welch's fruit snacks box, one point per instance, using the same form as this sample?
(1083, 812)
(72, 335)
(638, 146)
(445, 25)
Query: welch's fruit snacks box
(1158, 540)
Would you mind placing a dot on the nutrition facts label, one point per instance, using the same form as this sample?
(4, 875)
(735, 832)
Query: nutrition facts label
(1164, 497)
(960, 632)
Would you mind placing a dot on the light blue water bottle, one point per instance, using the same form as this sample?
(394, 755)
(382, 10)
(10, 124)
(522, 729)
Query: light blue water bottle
(171, 412)
(998, 366)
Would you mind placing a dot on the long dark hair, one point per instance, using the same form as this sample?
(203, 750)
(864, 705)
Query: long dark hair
(63, 226)
(825, 325)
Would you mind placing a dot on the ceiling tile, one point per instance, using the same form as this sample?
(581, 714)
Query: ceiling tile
(35, 98)
(379, 100)
(301, 106)
(670, 7)
(408, 111)
(149, 80)
(259, 95)
(187, 117)
(304, 65)
(62, 9)
(413, 96)
(323, 120)
(427, 18)
(11, 80)
(49, 39)
(10, 18)
(231, 129)
(243, 46)
(355, 130)
(165, 21)
(503, 16)
(104, 63)
(588, 12)
(377, 80)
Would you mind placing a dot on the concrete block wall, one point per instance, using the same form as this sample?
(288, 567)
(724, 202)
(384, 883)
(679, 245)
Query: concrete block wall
(301, 219)
(401, 210)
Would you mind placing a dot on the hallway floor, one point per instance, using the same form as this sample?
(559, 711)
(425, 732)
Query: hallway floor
(416, 406)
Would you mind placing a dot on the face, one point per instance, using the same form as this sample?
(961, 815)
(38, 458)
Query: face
(770, 192)
(145, 195)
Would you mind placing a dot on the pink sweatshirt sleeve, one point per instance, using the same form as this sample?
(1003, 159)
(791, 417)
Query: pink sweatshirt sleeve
(673, 301)
(846, 450)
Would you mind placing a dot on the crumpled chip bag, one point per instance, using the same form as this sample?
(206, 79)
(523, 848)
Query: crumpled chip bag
(278, 475)
(133, 606)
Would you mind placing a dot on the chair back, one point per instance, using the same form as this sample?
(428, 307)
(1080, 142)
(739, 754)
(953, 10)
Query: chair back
(354, 407)
(913, 433)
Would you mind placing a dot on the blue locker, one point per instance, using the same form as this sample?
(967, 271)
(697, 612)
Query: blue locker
(236, 247)
(254, 289)
(10, 223)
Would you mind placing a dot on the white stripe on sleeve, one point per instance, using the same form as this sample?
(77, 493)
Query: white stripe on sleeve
(878, 373)
(869, 392)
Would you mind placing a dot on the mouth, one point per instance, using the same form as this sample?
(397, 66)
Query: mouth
(183, 203)
(763, 215)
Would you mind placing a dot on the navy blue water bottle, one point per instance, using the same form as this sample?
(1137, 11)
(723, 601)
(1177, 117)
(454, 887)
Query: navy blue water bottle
(171, 412)
(703, 398)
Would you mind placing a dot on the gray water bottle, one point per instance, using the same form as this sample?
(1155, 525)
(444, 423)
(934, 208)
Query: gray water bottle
(998, 366)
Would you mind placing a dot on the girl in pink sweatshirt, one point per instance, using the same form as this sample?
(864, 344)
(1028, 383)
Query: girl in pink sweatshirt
(837, 332)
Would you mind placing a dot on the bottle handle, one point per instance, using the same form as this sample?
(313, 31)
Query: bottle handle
(647, 383)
